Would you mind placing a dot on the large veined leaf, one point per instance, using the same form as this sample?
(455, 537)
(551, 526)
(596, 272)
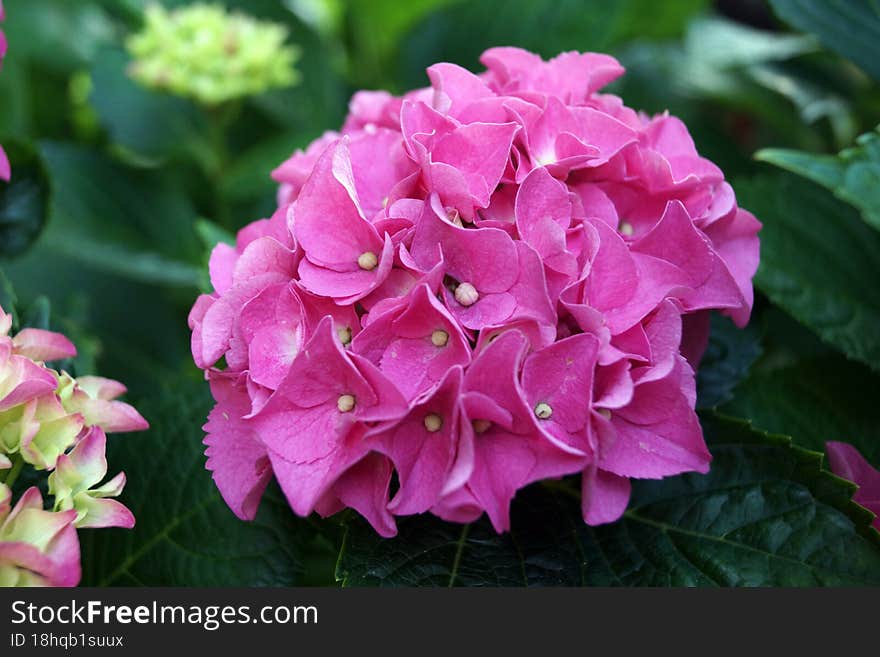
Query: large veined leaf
(818, 261)
(765, 515)
(853, 175)
(729, 355)
(848, 27)
(816, 400)
(185, 535)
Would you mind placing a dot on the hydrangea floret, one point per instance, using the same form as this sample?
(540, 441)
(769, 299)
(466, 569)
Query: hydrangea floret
(55, 424)
(203, 52)
(502, 278)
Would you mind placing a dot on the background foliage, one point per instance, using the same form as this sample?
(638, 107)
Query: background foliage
(118, 194)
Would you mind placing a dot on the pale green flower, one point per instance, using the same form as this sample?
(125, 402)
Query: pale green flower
(206, 53)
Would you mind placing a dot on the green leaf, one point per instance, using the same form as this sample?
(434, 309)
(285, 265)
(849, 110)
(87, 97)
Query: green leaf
(185, 534)
(211, 234)
(8, 300)
(729, 355)
(42, 30)
(818, 262)
(24, 201)
(765, 515)
(853, 174)
(131, 223)
(725, 44)
(460, 32)
(763, 73)
(848, 27)
(376, 27)
(816, 400)
(148, 125)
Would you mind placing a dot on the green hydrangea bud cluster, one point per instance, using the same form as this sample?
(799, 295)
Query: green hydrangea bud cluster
(203, 52)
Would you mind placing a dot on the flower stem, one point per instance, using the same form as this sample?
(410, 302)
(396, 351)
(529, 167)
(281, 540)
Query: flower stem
(12, 475)
(219, 120)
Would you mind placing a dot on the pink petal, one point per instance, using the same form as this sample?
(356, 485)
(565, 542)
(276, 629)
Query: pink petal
(237, 458)
(41, 345)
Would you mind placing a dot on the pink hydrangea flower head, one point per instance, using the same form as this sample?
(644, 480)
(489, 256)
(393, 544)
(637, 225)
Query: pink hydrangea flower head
(499, 278)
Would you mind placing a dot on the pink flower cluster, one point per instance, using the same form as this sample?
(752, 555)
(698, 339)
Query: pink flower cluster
(4, 161)
(498, 279)
(54, 423)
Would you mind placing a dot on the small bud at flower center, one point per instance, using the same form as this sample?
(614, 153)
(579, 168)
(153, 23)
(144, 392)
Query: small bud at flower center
(345, 403)
(543, 411)
(433, 422)
(604, 412)
(466, 294)
(481, 426)
(344, 333)
(439, 338)
(625, 228)
(367, 260)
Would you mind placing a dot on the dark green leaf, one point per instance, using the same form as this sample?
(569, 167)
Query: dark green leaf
(818, 261)
(8, 300)
(185, 534)
(848, 27)
(43, 30)
(816, 400)
(766, 514)
(211, 234)
(729, 355)
(147, 124)
(250, 173)
(132, 223)
(461, 32)
(853, 175)
(37, 314)
(24, 201)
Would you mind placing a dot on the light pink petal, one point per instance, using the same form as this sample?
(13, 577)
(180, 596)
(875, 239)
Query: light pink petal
(41, 345)
(221, 265)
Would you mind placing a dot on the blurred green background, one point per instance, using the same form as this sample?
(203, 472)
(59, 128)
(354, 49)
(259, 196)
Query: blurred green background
(119, 193)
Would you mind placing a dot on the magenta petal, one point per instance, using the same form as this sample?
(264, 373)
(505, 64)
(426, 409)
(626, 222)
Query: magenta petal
(455, 88)
(604, 496)
(236, 456)
(349, 284)
(364, 487)
(5, 170)
(330, 192)
(303, 421)
(652, 451)
(561, 377)
(423, 447)
(221, 265)
(400, 343)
